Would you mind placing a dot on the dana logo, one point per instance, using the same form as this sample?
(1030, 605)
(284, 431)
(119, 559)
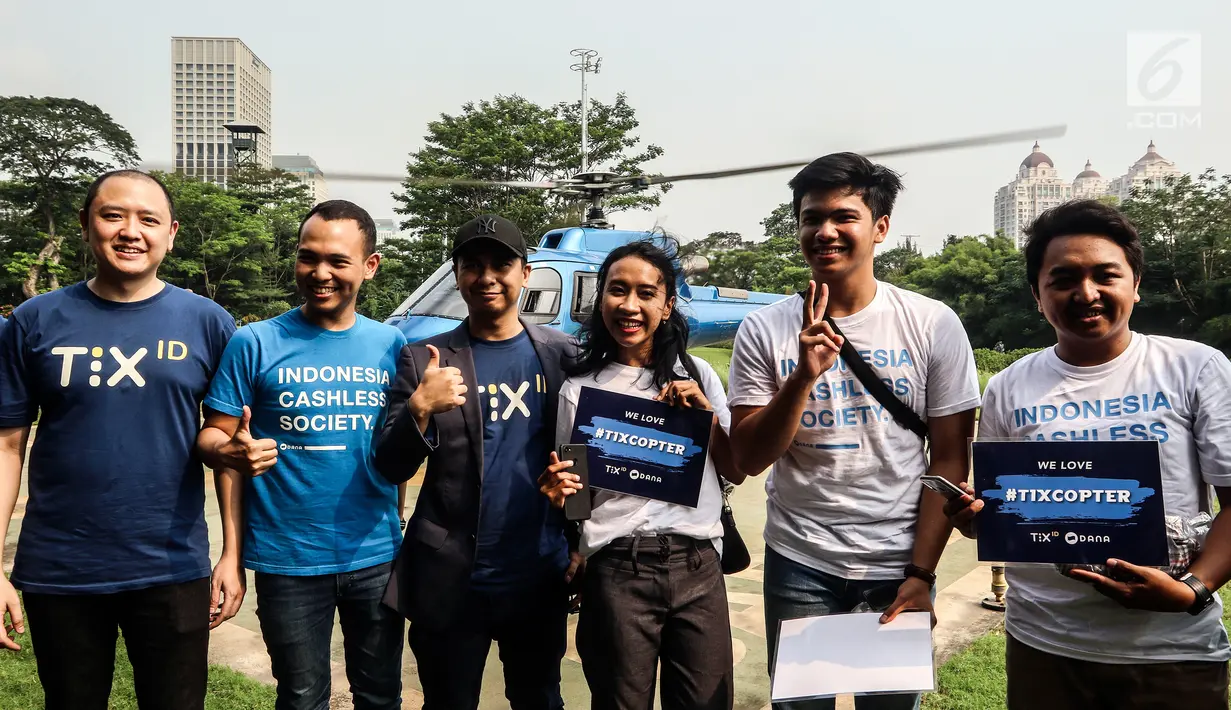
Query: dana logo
(1073, 538)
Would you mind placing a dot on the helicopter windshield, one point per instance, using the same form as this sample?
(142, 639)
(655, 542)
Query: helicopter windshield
(436, 296)
(443, 300)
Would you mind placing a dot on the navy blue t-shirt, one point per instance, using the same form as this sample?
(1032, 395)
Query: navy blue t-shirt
(117, 493)
(519, 540)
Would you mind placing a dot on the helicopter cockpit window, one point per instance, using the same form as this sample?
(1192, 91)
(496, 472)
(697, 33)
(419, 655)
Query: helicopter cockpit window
(424, 287)
(443, 299)
(584, 287)
(541, 300)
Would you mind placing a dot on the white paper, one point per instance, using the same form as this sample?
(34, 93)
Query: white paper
(853, 653)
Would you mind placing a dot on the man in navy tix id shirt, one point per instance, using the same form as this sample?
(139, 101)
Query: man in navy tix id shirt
(114, 539)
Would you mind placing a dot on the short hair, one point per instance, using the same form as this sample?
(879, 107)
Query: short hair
(877, 185)
(334, 210)
(1081, 217)
(92, 193)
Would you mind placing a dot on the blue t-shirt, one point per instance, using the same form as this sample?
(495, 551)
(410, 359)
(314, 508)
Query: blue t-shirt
(321, 394)
(519, 539)
(117, 493)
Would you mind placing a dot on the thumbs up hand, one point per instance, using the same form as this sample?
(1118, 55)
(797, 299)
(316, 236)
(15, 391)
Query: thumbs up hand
(440, 390)
(246, 454)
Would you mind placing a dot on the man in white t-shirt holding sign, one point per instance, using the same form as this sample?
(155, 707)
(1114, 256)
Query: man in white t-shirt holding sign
(1123, 640)
(845, 521)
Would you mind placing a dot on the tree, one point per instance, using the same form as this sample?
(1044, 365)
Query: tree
(983, 279)
(1185, 229)
(711, 244)
(512, 138)
(219, 249)
(897, 262)
(280, 201)
(50, 147)
(782, 268)
(394, 280)
(781, 223)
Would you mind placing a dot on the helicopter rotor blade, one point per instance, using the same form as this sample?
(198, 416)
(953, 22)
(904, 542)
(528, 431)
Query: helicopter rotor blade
(461, 182)
(989, 139)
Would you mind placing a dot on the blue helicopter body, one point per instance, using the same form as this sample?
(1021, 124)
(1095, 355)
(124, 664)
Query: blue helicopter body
(561, 288)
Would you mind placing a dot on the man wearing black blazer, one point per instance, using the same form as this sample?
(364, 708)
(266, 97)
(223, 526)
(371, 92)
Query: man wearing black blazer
(485, 557)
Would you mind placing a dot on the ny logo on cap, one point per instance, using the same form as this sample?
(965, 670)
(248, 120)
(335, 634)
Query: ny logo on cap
(486, 225)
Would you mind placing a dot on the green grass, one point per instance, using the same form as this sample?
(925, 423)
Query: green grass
(227, 689)
(975, 678)
(718, 358)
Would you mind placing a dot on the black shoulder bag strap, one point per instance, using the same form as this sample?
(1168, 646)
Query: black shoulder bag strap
(735, 556)
(898, 409)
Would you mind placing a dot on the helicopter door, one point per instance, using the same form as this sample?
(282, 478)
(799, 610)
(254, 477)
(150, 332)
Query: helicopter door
(540, 301)
(584, 287)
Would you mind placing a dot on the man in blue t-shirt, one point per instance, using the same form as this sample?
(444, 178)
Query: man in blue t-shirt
(291, 415)
(485, 556)
(114, 369)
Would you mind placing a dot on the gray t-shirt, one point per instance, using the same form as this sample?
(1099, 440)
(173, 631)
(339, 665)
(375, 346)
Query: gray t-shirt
(1177, 391)
(844, 497)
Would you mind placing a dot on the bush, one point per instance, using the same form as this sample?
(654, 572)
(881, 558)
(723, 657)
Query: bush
(991, 362)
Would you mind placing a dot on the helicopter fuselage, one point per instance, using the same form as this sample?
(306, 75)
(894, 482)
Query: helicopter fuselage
(561, 289)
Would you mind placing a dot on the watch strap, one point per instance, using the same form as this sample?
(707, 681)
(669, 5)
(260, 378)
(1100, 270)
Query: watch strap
(1204, 596)
(913, 570)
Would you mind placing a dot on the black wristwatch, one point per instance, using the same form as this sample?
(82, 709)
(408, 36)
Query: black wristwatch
(913, 570)
(1204, 596)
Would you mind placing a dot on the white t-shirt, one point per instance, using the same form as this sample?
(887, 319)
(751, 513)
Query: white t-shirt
(617, 515)
(1177, 391)
(844, 498)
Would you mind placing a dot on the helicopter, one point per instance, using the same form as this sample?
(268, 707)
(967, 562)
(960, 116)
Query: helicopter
(564, 276)
(560, 292)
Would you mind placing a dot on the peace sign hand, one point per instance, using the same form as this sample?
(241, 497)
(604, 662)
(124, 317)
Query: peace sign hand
(819, 345)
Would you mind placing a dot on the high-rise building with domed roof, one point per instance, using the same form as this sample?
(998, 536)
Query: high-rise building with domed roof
(1038, 186)
(1148, 172)
(1089, 184)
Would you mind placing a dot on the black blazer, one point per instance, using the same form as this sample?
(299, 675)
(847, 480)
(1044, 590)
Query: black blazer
(433, 567)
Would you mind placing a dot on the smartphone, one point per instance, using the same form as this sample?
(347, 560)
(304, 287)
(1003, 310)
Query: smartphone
(879, 598)
(943, 487)
(577, 506)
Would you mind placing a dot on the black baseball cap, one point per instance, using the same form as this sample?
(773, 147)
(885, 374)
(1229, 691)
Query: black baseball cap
(490, 227)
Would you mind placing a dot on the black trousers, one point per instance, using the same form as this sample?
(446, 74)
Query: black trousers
(653, 600)
(529, 626)
(1042, 680)
(166, 631)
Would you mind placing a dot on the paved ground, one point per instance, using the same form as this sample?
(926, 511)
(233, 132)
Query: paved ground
(962, 582)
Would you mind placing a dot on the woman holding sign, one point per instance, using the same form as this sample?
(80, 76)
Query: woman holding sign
(653, 587)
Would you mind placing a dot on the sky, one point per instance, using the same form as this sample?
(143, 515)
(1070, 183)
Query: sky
(717, 84)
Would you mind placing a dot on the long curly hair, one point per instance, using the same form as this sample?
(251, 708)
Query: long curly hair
(670, 340)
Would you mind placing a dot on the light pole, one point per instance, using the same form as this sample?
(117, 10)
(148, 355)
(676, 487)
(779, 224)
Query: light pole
(588, 62)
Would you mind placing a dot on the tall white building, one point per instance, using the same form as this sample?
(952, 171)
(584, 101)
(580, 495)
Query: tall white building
(387, 229)
(1089, 184)
(217, 81)
(1037, 187)
(308, 172)
(1149, 172)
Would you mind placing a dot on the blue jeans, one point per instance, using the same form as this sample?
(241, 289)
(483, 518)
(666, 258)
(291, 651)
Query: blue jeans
(794, 591)
(296, 615)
